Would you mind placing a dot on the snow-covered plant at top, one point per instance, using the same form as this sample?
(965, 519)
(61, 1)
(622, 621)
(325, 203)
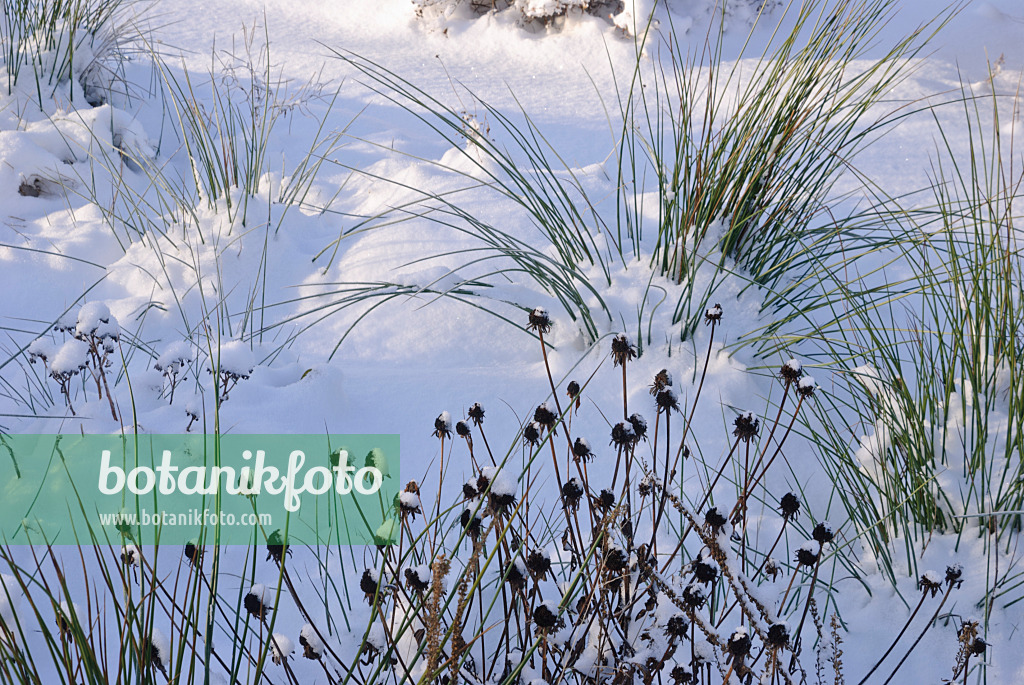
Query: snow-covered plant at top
(96, 332)
(172, 364)
(526, 11)
(231, 362)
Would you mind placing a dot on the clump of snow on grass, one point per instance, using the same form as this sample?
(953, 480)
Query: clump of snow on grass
(174, 357)
(70, 359)
(234, 359)
(281, 648)
(95, 320)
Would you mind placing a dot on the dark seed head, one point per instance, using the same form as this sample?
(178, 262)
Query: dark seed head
(193, 554)
(694, 596)
(606, 499)
(515, 574)
(462, 429)
(368, 583)
(713, 314)
(469, 488)
(581, 449)
(623, 435)
(667, 400)
(615, 559)
(739, 643)
(808, 555)
(277, 548)
(791, 371)
(531, 434)
(681, 675)
(639, 425)
(538, 563)
(572, 492)
(573, 389)
(476, 413)
(746, 427)
(414, 581)
(978, 646)
(443, 425)
(714, 520)
(662, 380)
(544, 416)
(823, 533)
(546, 615)
(704, 571)
(929, 583)
(677, 626)
(622, 350)
(789, 506)
(471, 523)
(778, 635)
(955, 574)
(253, 604)
(539, 320)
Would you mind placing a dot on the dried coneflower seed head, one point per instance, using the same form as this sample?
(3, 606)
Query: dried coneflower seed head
(808, 554)
(369, 583)
(462, 429)
(789, 505)
(713, 314)
(443, 425)
(681, 675)
(606, 499)
(955, 574)
(677, 626)
(791, 371)
(572, 390)
(538, 563)
(572, 493)
(515, 574)
(746, 427)
(581, 449)
(930, 583)
(254, 604)
(539, 320)
(546, 615)
(417, 578)
(739, 643)
(409, 500)
(194, 554)
(662, 380)
(277, 548)
(469, 488)
(622, 350)
(623, 435)
(544, 416)
(476, 413)
(978, 646)
(823, 533)
(639, 425)
(704, 571)
(806, 387)
(714, 520)
(667, 400)
(694, 596)
(531, 434)
(778, 635)
(615, 559)
(471, 523)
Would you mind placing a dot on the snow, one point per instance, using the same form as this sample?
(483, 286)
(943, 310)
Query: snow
(95, 319)
(309, 638)
(234, 358)
(71, 357)
(174, 356)
(281, 647)
(159, 642)
(410, 501)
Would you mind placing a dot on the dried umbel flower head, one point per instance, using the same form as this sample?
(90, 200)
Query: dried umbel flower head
(713, 315)
(471, 523)
(823, 533)
(639, 425)
(581, 450)
(476, 414)
(544, 416)
(662, 380)
(714, 520)
(746, 426)
(739, 643)
(808, 553)
(677, 626)
(462, 429)
(538, 563)
(277, 547)
(789, 505)
(539, 320)
(930, 582)
(443, 425)
(778, 635)
(791, 371)
(623, 435)
(531, 434)
(572, 493)
(622, 350)
(546, 615)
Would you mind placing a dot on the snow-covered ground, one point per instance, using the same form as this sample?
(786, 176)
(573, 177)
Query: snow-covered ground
(262, 289)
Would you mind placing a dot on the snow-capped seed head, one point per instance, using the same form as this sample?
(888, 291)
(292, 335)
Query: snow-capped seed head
(369, 583)
(539, 320)
(616, 560)
(581, 449)
(667, 400)
(443, 425)
(622, 350)
(312, 646)
(978, 646)
(515, 574)
(544, 416)
(41, 349)
(462, 429)
(130, 556)
(789, 505)
(476, 414)
(277, 547)
(173, 359)
(808, 553)
(538, 564)
(471, 523)
(281, 648)
(713, 314)
(606, 499)
(70, 359)
(746, 426)
(65, 617)
(257, 601)
(930, 582)
(954, 574)
(791, 371)
(418, 578)
(823, 533)
(469, 488)
(193, 554)
(639, 425)
(531, 434)
(739, 643)
(806, 387)
(409, 500)
(157, 650)
(714, 520)
(778, 635)
(502, 493)
(681, 675)
(96, 321)
(662, 380)
(572, 390)
(572, 493)
(771, 568)
(677, 626)
(623, 435)
(546, 615)
(694, 596)
(704, 570)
